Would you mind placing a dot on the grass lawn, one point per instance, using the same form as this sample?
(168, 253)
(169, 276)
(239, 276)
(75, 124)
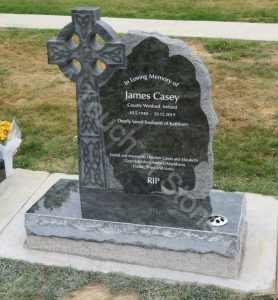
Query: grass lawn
(23, 281)
(244, 91)
(217, 10)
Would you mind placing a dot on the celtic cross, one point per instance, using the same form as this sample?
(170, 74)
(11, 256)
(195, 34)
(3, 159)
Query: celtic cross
(86, 24)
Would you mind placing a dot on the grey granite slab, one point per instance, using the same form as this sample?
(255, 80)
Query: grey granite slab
(61, 213)
(207, 264)
(177, 133)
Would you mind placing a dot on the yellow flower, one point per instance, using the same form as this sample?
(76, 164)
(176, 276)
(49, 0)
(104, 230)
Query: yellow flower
(5, 129)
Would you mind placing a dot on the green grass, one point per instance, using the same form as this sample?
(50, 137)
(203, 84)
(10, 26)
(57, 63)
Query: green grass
(244, 93)
(4, 74)
(233, 10)
(234, 49)
(24, 281)
(246, 160)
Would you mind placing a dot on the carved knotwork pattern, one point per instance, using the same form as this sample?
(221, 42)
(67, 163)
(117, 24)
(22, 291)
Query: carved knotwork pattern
(89, 115)
(83, 21)
(91, 162)
(61, 51)
(112, 54)
(87, 86)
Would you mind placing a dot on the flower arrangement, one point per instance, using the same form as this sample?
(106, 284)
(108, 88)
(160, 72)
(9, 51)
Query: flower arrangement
(5, 130)
(10, 140)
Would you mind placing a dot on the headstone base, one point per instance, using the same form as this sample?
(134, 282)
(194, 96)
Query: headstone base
(206, 264)
(101, 229)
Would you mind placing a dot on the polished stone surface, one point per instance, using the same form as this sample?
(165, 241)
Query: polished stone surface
(63, 200)
(2, 170)
(160, 119)
(137, 135)
(158, 222)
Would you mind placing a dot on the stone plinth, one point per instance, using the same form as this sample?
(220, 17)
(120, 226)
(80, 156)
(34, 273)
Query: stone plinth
(98, 224)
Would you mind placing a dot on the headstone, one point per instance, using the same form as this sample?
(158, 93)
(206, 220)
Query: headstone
(159, 121)
(145, 130)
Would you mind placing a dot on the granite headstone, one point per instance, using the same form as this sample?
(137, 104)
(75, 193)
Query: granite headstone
(145, 130)
(159, 121)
